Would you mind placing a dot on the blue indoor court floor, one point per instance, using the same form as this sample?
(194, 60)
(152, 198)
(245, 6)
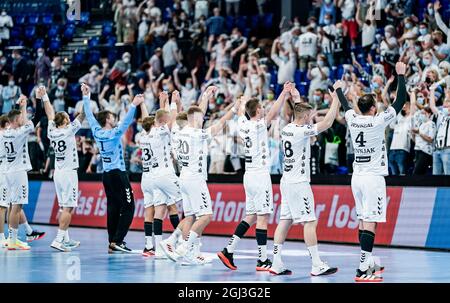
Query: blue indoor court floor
(91, 263)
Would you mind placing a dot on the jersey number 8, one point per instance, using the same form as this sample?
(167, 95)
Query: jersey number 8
(59, 146)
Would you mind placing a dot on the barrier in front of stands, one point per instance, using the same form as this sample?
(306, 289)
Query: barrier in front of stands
(417, 216)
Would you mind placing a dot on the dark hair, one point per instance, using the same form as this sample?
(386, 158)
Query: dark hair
(3, 120)
(252, 106)
(148, 122)
(365, 103)
(12, 115)
(60, 117)
(194, 109)
(103, 116)
(428, 110)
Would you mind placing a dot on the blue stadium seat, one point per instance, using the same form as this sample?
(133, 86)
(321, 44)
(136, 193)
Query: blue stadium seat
(107, 29)
(47, 19)
(229, 23)
(78, 57)
(38, 43)
(33, 19)
(55, 45)
(246, 32)
(74, 91)
(242, 23)
(30, 32)
(94, 57)
(112, 55)
(268, 21)
(20, 19)
(93, 42)
(16, 42)
(84, 18)
(255, 21)
(69, 31)
(111, 41)
(16, 32)
(53, 31)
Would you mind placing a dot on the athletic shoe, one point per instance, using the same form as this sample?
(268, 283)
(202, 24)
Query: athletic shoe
(199, 255)
(227, 259)
(367, 276)
(263, 266)
(323, 270)
(17, 246)
(160, 254)
(35, 235)
(60, 246)
(181, 250)
(377, 269)
(169, 250)
(148, 252)
(280, 270)
(72, 243)
(122, 248)
(189, 259)
(3, 243)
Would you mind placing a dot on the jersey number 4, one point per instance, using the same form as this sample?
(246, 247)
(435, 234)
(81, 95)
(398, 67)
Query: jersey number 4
(360, 139)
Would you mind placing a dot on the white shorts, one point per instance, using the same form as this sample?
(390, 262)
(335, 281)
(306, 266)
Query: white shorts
(166, 190)
(148, 189)
(258, 193)
(369, 193)
(3, 191)
(17, 183)
(297, 202)
(196, 197)
(66, 185)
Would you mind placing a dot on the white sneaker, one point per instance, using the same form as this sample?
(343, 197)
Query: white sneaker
(323, 270)
(181, 249)
(60, 246)
(72, 243)
(169, 250)
(279, 269)
(4, 243)
(199, 255)
(190, 259)
(19, 245)
(159, 253)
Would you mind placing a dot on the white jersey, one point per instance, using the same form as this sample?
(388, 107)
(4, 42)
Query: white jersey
(2, 154)
(161, 145)
(15, 143)
(147, 156)
(297, 152)
(368, 138)
(192, 152)
(64, 144)
(256, 144)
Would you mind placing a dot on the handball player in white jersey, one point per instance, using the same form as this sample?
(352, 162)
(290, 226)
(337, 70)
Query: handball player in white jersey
(367, 131)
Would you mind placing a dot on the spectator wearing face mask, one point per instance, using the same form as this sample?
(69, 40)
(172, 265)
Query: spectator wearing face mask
(389, 47)
(121, 70)
(327, 8)
(59, 96)
(424, 137)
(429, 65)
(430, 18)
(92, 79)
(10, 94)
(189, 91)
(319, 75)
(424, 36)
(58, 71)
(42, 67)
(6, 23)
(441, 154)
(306, 48)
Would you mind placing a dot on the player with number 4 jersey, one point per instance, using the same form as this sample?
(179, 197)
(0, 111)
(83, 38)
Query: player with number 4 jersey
(367, 132)
(297, 200)
(61, 133)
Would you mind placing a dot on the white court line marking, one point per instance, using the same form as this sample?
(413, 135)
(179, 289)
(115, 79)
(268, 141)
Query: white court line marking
(298, 253)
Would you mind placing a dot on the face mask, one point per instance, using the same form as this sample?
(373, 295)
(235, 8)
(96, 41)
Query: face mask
(60, 87)
(327, 21)
(94, 73)
(3, 61)
(388, 35)
(375, 86)
(326, 102)
(189, 86)
(53, 64)
(212, 106)
(105, 65)
(270, 97)
(414, 68)
(430, 11)
(317, 98)
(139, 128)
(144, 19)
(285, 59)
(408, 25)
(327, 1)
(418, 49)
(321, 63)
(445, 111)
(220, 100)
(313, 25)
(420, 101)
(423, 31)
(126, 60)
(11, 83)
(165, 88)
(40, 54)
(3, 13)
(426, 62)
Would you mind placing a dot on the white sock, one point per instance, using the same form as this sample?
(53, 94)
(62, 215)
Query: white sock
(158, 239)
(27, 227)
(191, 240)
(364, 260)
(13, 232)
(233, 243)
(66, 236)
(277, 253)
(60, 235)
(2, 236)
(149, 242)
(9, 232)
(174, 236)
(262, 252)
(314, 253)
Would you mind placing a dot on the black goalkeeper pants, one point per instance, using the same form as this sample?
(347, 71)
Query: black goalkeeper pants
(120, 204)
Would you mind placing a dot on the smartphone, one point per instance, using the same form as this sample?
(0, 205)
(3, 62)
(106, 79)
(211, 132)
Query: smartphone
(331, 88)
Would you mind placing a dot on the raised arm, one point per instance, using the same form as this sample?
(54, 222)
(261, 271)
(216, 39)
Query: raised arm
(163, 100)
(206, 96)
(41, 94)
(442, 26)
(125, 123)
(86, 91)
(327, 122)
(433, 106)
(144, 110)
(400, 100)
(38, 113)
(219, 125)
(275, 109)
(176, 102)
(338, 88)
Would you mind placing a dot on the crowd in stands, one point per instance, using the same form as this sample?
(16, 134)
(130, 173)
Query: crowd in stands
(193, 44)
